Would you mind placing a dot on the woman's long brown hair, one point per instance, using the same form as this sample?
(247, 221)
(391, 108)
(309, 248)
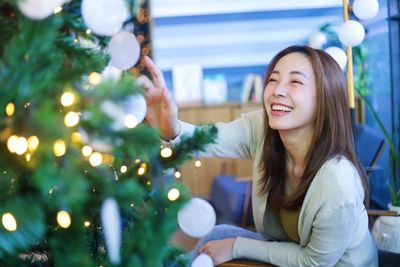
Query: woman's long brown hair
(332, 135)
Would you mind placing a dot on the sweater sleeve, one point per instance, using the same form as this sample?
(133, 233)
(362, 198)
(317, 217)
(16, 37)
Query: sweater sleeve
(332, 232)
(235, 139)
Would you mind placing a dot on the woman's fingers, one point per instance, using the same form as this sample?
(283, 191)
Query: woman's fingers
(155, 72)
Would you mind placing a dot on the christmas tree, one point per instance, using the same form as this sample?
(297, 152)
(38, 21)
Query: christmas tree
(82, 181)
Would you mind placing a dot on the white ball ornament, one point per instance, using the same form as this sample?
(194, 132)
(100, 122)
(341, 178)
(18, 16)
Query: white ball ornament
(136, 105)
(196, 218)
(351, 33)
(39, 9)
(124, 50)
(104, 17)
(338, 54)
(203, 260)
(111, 223)
(111, 73)
(317, 40)
(365, 9)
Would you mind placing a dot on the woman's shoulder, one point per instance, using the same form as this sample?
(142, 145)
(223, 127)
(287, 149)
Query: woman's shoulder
(338, 178)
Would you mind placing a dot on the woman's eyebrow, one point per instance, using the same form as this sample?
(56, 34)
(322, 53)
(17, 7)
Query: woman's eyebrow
(299, 72)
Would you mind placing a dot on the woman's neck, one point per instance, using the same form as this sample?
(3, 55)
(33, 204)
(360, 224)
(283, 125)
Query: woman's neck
(296, 144)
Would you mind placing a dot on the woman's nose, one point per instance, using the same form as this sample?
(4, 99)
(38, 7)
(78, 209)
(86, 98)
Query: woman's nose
(280, 90)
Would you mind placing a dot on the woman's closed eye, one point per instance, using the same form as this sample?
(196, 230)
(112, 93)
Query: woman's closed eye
(271, 80)
(297, 82)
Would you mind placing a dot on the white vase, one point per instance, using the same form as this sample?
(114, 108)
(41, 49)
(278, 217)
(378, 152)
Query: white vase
(386, 232)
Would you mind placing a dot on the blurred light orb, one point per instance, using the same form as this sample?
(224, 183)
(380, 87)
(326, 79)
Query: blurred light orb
(63, 219)
(317, 40)
(339, 55)
(67, 99)
(10, 109)
(178, 174)
(124, 169)
(39, 9)
(130, 121)
(33, 142)
(197, 217)
(21, 146)
(94, 78)
(12, 142)
(365, 9)
(197, 163)
(86, 151)
(203, 260)
(166, 152)
(124, 50)
(59, 148)
(71, 119)
(351, 33)
(96, 159)
(104, 17)
(173, 194)
(9, 222)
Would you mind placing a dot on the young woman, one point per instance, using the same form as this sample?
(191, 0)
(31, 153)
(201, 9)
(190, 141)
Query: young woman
(309, 190)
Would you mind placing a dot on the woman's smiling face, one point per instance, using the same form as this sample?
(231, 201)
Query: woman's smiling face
(290, 94)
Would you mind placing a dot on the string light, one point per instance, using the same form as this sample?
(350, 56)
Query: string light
(87, 151)
(124, 169)
(28, 157)
(108, 159)
(57, 10)
(21, 146)
(59, 148)
(10, 109)
(63, 219)
(96, 159)
(166, 152)
(94, 78)
(12, 143)
(67, 99)
(9, 222)
(137, 161)
(33, 143)
(88, 31)
(76, 137)
(142, 169)
(173, 194)
(178, 174)
(130, 121)
(197, 163)
(71, 119)
(86, 223)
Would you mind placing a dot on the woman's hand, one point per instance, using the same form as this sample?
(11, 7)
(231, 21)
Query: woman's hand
(162, 112)
(219, 250)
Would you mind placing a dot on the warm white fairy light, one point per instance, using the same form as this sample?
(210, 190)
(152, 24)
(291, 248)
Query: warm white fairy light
(173, 194)
(166, 152)
(76, 137)
(137, 161)
(141, 171)
(67, 99)
(96, 159)
(87, 151)
(63, 219)
(10, 109)
(71, 119)
(58, 9)
(21, 146)
(130, 121)
(12, 143)
(9, 222)
(88, 31)
(94, 78)
(86, 223)
(197, 163)
(177, 174)
(33, 143)
(28, 157)
(59, 148)
(124, 169)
